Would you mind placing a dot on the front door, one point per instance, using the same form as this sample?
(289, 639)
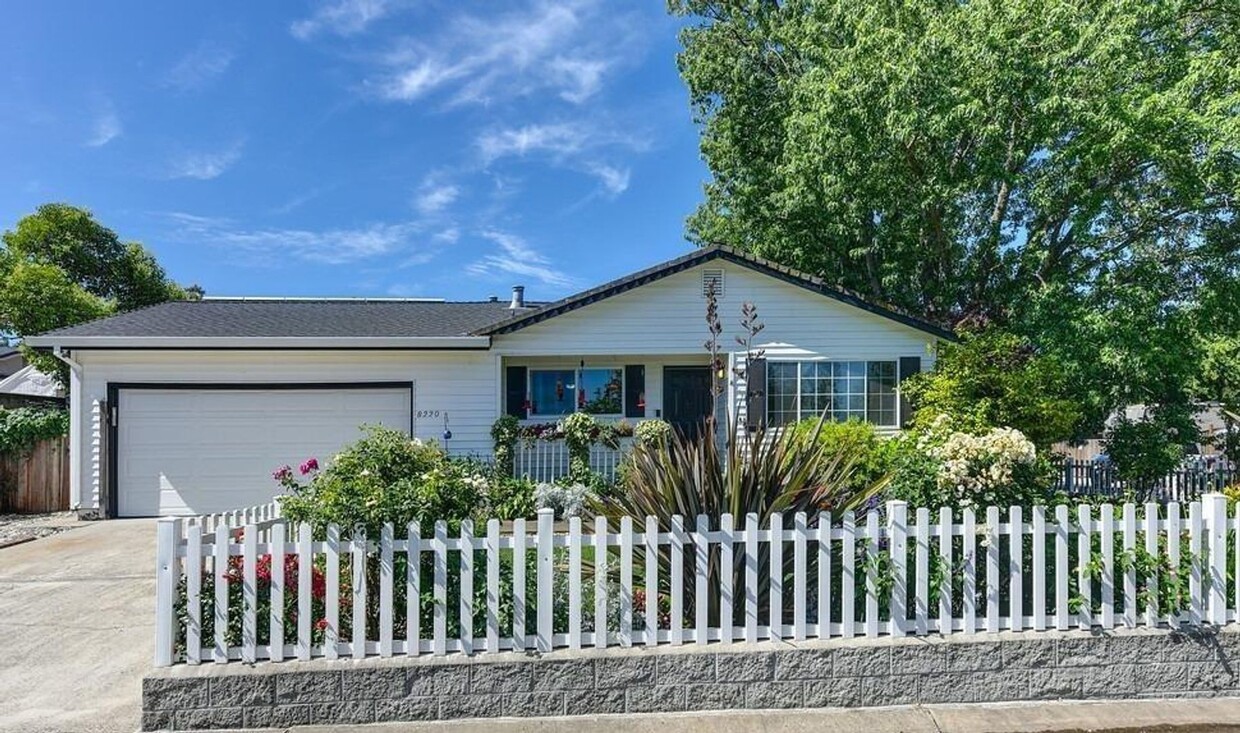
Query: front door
(686, 398)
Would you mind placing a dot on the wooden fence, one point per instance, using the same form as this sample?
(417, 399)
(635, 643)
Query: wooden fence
(723, 581)
(1093, 478)
(37, 481)
(546, 461)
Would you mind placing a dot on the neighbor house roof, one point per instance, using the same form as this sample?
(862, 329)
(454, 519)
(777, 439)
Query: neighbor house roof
(324, 322)
(515, 322)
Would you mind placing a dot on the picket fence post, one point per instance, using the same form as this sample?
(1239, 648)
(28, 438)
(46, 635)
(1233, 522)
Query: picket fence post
(1215, 506)
(168, 574)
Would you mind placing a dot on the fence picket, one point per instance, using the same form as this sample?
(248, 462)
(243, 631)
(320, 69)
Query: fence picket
(220, 622)
(1063, 529)
(701, 565)
(897, 539)
(193, 593)
(798, 575)
(751, 578)
(465, 556)
(1215, 507)
(358, 566)
(945, 560)
(574, 583)
(626, 582)
(167, 580)
(824, 575)
(676, 580)
(276, 612)
(600, 582)
(545, 579)
(651, 544)
(1174, 533)
(1039, 568)
(1195, 531)
(387, 571)
(439, 562)
(968, 602)
(1152, 571)
(518, 584)
(413, 590)
(1016, 580)
(992, 569)
(727, 591)
(848, 576)
(871, 574)
(249, 594)
(1085, 585)
(1129, 617)
(493, 591)
(305, 587)
(1106, 522)
(921, 569)
(775, 598)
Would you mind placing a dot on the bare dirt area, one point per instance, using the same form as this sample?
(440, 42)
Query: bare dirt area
(17, 528)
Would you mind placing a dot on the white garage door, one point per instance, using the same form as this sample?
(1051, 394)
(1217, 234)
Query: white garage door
(189, 451)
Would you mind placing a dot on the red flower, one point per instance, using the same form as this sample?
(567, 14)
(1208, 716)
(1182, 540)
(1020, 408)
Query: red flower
(283, 473)
(321, 624)
(311, 464)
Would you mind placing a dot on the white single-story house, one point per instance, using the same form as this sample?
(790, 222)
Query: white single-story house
(187, 407)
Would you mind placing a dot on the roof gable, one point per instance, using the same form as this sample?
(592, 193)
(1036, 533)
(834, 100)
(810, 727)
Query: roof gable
(716, 252)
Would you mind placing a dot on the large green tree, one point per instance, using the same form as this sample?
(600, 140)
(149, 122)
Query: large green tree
(1068, 170)
(59, 266)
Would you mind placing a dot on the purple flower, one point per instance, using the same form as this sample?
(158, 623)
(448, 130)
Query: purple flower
(282, 474)
(311, 464)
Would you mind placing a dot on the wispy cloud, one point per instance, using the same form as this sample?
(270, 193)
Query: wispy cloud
(200, 66)
(516, 257)
(206, 165)
(565, 46)
(340, 17)
(615, 180)
(336, 246)
(574, 145)
(107, 127)
(433, 197)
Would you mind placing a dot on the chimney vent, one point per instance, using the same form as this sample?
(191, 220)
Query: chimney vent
(492, 298)
(518, 297)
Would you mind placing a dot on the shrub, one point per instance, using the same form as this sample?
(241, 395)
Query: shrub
(652, 432)
(23, 427)
(510, 498)
(872, 453)
(504, 434)
(567, 501)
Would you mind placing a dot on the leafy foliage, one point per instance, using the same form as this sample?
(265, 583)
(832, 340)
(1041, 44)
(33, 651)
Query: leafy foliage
(872, 453)
(652, 432)
(504, 433)
(996, 378)
(59, 266)
(23, 427)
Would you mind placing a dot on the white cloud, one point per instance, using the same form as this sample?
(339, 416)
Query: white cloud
(516, 257)
(330, 246)
(198, 67)
(447, 236)
(204, 166)
(107, 128)
(615, 180)
(433, 198)
(567, 47)
(340, 17)
(558, 139)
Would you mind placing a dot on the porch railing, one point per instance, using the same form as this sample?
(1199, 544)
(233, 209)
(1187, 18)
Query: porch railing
(545, 461)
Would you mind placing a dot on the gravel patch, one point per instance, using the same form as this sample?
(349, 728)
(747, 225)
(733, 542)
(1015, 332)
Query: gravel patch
(16, 528)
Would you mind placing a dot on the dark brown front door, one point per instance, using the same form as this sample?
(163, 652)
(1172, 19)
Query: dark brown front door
(686, 398)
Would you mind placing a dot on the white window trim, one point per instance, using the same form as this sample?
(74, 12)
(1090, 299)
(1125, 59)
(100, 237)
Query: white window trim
(576, 369)
(798, 362)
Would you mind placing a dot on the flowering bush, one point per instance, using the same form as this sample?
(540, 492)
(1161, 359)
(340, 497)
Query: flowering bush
(652, 432)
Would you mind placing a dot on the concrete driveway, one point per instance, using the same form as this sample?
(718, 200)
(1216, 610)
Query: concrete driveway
(77, 628)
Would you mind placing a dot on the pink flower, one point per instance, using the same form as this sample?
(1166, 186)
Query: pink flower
(283, 473)
(311, 464)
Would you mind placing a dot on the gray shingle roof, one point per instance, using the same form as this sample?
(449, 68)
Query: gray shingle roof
(243, 318)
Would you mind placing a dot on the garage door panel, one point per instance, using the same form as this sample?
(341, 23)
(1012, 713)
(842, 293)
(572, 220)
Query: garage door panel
(185, 451)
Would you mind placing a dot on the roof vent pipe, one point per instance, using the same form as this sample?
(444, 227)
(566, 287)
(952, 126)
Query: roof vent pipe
(518, 297)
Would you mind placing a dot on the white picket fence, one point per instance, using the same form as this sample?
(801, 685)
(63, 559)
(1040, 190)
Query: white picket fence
(821, 581)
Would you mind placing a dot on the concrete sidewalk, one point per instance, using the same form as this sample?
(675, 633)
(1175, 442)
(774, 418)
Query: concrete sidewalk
(77, 618)
(1204, 714)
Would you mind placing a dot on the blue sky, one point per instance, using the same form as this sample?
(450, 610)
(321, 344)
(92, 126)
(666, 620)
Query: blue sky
(358, 147)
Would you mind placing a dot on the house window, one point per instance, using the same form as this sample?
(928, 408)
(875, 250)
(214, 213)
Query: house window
(843, 390)
(556, 392)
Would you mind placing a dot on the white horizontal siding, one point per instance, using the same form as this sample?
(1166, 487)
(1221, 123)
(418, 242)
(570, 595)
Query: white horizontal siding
(668, 317)
(461, 383)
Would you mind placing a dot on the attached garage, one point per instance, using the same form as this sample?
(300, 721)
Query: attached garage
(190, 449)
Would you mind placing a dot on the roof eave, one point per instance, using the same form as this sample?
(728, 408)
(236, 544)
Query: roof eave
(266, 343)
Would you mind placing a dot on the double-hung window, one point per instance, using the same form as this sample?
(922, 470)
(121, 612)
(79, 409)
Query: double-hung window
(557, 392)
(843, 390)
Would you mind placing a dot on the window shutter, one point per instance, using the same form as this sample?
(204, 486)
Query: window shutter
(514, 398)
(909, 365)
(755, 395)
(635, 390)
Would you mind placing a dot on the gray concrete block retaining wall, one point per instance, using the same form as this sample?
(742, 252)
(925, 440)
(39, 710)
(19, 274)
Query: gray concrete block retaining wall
(983, 668)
